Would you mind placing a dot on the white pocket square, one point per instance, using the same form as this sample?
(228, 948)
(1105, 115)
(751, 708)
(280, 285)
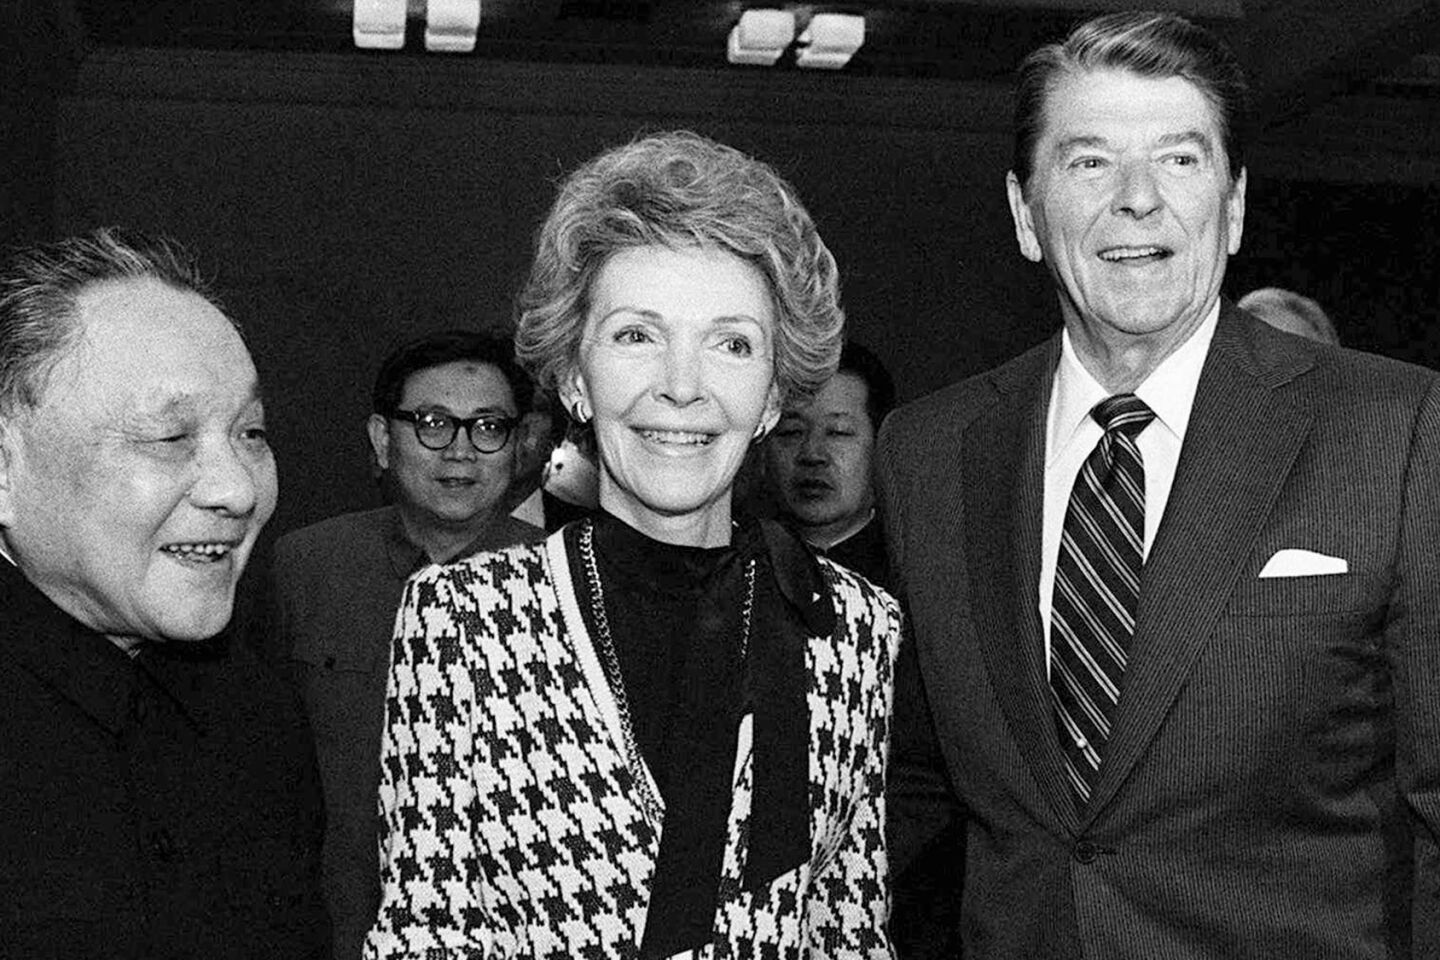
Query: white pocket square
(1303, 563)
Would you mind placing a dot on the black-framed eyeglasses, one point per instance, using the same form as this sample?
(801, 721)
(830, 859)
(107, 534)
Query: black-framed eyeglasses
(488, 432)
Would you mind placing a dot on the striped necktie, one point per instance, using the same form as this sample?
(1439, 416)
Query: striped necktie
(1097, 588)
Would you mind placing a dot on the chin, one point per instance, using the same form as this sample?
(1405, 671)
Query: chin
(191, 634)
(811, 517)
(201, 622)
(464, 512)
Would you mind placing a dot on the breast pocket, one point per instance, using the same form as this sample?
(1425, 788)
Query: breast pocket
(49, 890)
(344, 691)
(338, 654)
(1340, 594)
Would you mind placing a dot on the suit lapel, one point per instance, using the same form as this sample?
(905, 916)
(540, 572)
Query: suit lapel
(1240, 444)
(1003, 464)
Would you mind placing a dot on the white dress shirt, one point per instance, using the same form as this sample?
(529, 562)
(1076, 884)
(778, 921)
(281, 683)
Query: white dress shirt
(1071, 434)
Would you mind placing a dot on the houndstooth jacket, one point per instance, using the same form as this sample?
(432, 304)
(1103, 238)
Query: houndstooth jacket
(512, 825)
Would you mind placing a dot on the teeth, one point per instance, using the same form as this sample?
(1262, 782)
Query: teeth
(197, 551)
(676, 436)
(1131, 253)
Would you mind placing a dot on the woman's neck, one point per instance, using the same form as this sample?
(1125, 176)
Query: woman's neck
(709, 527)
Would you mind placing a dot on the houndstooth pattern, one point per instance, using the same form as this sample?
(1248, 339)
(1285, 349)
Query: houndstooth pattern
(511, 825)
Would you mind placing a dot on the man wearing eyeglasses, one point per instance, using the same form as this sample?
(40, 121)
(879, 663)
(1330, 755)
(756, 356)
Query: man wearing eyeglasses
(446, 431)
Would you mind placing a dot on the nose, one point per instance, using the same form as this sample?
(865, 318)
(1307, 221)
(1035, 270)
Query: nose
(231, 478)
(813, 449)
(1137, 195)
(682, 379)
(460, 447)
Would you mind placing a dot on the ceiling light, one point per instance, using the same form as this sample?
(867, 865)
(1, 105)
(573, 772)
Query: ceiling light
(760, 37)
(379, 24)
(450, 25)
(830, 40)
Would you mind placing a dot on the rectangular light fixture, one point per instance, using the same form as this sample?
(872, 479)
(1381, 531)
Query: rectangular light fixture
(379, 24)
(451, 25)
(830, 40)
(760, 37)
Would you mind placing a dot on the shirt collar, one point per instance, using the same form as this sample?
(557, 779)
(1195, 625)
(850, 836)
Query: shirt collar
(1169, 390)
(407, 557)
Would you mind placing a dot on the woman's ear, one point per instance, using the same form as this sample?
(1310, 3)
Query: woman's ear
(575, 395)
(771, 415)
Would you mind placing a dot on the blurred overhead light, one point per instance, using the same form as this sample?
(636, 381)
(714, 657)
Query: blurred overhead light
(450, 25)
(760, 37)
(379, 24)
(830, 40)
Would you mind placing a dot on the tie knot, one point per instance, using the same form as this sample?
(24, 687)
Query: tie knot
(1123, 412)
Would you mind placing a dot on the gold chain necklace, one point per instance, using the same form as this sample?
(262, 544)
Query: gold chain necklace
(610, 663)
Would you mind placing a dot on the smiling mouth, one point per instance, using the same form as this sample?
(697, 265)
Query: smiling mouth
(455, 481)
(1136, 255)
(199, 553)
(680, 438)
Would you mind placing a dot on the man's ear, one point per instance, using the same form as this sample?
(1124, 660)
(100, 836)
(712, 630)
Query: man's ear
(9, 439)
(531, 436)
(1024, 220)
(1235, 214)
(379, 430)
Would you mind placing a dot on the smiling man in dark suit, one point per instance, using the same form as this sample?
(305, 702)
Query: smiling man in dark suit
(159, 798)
(1175, 619)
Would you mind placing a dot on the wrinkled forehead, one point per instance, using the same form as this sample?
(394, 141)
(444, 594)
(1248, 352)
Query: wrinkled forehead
(1072, 92)
(144, 344)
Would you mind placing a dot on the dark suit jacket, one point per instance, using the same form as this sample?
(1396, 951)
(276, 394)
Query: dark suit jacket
(158, 808)
(1272, 788)
(335, 588)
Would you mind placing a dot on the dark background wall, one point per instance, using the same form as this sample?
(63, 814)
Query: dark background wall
(345, 204)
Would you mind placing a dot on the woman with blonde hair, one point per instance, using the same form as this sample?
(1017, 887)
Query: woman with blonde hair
(661, 732)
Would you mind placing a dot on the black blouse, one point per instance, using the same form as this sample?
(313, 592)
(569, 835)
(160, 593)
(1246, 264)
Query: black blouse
(692, 669)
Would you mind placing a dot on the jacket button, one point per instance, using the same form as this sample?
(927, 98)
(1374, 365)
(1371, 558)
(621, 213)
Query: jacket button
(162, 846)
(1085, 851)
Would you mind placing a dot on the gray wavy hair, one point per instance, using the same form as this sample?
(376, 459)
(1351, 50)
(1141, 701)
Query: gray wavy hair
(679, 190)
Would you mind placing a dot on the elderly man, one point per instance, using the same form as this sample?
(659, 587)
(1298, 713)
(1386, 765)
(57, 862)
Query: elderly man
(818, 458)
(157, 784)
(1172, 575)
(445, 429)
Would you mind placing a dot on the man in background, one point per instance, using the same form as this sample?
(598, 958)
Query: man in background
(1171, 575)
(1291, 312)
(818, 459)
(158, 785)
(819, 462)
(445, 429)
